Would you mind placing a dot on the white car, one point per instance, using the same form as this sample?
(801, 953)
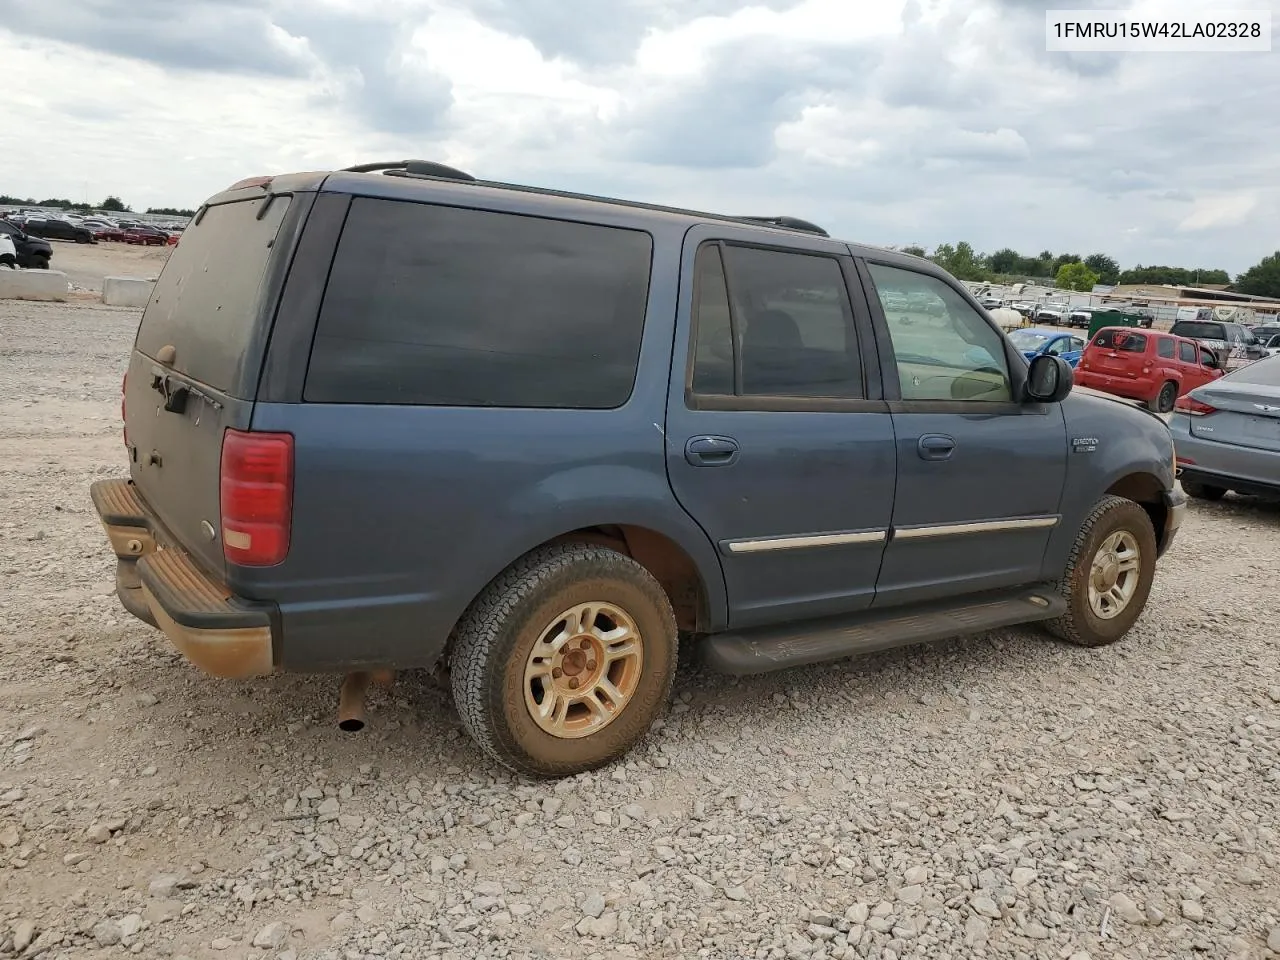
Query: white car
(1272, 346)
(8, 252)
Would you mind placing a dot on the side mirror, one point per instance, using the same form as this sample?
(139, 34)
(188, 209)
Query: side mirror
(1049, 380)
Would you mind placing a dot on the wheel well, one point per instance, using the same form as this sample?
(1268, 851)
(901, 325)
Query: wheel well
(1148, 492)
(661, 556)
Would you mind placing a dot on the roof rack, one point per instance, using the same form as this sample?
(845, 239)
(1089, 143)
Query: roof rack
(412, 168)
(440, 171)
(787, 223)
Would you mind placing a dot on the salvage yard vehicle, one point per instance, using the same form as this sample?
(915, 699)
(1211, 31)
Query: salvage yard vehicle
(1227, 434)
(34, 253)
(395, 417)
(1155, 368)
(8, 252)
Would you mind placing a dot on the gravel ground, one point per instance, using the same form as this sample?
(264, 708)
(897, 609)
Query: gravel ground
(999, 796)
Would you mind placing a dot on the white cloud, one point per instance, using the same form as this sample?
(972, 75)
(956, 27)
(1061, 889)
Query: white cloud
(907, 121)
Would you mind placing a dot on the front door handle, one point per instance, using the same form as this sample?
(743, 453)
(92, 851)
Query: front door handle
(935, 446)
(711, 451)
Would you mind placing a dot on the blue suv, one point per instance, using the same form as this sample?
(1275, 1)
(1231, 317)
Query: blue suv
(394, 417)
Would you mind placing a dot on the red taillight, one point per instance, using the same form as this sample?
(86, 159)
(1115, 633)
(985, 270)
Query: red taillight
(256, 492)
(1193, 407)
(124, 385)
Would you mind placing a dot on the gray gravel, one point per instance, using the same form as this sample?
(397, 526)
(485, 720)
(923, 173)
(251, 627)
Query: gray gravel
(999, 796)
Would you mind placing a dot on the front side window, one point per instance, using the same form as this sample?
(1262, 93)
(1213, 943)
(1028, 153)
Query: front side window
(1187, 352)
(773, 323)
(444, 306)
(945, 350)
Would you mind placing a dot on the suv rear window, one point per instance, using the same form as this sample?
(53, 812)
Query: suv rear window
(209, 293)
(1121, 340)
(443, 306)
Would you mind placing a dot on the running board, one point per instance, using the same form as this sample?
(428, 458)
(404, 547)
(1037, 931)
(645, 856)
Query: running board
(766, 649)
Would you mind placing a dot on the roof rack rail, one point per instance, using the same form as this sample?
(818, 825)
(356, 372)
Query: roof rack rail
(412, 168)
(787, 223)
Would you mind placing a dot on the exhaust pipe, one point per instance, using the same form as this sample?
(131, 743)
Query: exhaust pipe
(351, 697)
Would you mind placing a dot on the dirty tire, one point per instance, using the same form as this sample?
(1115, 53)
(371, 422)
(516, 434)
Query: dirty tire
(493, 642)
(1203, 491)
(1080, 625)
(1166, 398)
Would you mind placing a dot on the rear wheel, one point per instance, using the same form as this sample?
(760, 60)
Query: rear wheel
(1203, 491)
(40, 263)
(1166, 398)
(1108, 576)
(8, 262)
(565, 660)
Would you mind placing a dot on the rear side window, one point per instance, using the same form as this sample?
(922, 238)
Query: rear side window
(442, 306)
(1187, 352)
(1164, 348)
(1121, 340)
(789, 332)
(210, 292)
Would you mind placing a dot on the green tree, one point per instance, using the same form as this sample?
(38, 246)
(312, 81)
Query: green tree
(1005, 260)
(1075, 276)
(171, 212)
(1061, 259)
(961, 261)
(1107, 269)
(115, 205)
(1262, 279)
(914, 250)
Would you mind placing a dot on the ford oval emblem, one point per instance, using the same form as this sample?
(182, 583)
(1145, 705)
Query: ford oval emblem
(209, 532)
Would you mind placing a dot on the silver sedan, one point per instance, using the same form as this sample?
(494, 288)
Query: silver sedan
(1226, 434)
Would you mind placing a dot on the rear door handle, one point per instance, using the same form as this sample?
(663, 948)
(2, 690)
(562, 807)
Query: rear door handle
(935, 446)
(711, 451)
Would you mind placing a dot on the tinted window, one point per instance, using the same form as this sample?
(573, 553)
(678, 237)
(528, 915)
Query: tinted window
(792, 319)
(1187, 352)
(209, 293)
(443, 306)
(1165, 348)
(1199, 330)
(945, 350)
(1121, 340)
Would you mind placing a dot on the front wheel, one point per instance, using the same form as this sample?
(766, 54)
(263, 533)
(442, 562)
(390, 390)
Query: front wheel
(565, 660)
(1108, 575)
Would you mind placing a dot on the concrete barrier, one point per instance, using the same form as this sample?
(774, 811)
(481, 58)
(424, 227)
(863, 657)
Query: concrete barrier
(33, 285)
(127, 291)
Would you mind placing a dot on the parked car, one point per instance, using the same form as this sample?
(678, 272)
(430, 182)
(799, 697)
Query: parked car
(992, 303)
(8, 252)
(1053, 313)
(53, 229)
(1034, 341)
(1080, 317)
(146, 236)
(1265, 331)
(534, 437)
(1025, 307)
(34, 253)
(1272, 346)
(1228, 341)
(1227, 433)
(1155, 368)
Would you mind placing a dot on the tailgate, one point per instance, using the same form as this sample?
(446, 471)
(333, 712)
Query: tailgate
(194, 368)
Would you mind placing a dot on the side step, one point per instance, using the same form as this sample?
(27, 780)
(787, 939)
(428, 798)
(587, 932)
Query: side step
(767, 649)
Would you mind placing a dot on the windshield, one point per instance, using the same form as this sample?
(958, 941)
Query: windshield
(1028, 339)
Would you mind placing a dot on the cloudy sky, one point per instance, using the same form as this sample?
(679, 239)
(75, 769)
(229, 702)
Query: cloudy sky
(890, 122)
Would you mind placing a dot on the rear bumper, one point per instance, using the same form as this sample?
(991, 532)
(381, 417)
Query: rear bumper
(158, 582)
